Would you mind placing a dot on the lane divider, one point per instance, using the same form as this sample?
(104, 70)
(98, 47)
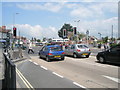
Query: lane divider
(44, 67)
(24, 80)
(35, 63)
(57, 74)
(30, 60)
(75, 83)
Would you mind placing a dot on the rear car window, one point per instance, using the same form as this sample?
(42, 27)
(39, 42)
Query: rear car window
(82, 46)
(55, 48)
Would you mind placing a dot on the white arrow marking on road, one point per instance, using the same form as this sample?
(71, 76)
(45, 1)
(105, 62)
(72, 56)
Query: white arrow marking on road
(112, 78)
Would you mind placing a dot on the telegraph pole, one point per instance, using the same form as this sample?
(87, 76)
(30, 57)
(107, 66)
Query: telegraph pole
(112, 34)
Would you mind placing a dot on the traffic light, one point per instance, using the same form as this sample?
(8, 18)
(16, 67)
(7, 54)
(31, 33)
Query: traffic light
(64, 32)
(75, 31)
(14, 31)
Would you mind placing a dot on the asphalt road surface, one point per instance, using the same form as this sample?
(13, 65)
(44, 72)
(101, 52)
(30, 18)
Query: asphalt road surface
(39, 77)
(70, 73)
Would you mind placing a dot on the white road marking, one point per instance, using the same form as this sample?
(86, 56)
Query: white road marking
(24, 80)
(35, 63)
(44, 67)
(80, 85)
(112, 78)
(57, 74)
(30, 60)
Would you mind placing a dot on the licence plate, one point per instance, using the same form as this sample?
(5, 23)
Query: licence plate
(56, 56)
(84, 54)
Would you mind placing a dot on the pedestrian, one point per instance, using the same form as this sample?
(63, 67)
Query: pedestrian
(30, 49)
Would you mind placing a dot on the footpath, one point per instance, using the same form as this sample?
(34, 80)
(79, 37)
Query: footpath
(16, 55)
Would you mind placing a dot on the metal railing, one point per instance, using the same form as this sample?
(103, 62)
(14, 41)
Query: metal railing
(9, 74)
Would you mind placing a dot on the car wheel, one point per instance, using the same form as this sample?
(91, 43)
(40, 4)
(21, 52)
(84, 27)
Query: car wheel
(101, 59)
(47, 59)
(62, 58)
(40, 56)
(74, 55)
(87, 56)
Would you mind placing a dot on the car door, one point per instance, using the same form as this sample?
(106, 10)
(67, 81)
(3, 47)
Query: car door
(67, 50)
(72, 49)
(113, 54)
(45, 52)
(42, 51)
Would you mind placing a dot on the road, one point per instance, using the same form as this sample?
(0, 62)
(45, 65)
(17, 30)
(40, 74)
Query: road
(70, 73)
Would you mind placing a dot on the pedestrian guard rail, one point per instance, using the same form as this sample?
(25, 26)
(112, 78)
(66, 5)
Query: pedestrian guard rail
(9, 74)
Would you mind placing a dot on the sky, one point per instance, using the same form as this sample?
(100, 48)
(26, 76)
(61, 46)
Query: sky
(43, 19)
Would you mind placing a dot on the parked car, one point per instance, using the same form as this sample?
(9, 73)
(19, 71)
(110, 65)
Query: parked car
(110, 55)
(77, 50)
(39, 44)
(52, 52)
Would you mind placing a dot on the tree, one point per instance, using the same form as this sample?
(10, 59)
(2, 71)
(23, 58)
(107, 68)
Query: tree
(38, 40)
(81, 35)
(105, 39)
(44, 39)
(68, 27)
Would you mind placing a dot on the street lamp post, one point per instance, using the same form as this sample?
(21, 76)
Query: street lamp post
(100, 34)
(77, 29)
(14, 23)
(87, 33)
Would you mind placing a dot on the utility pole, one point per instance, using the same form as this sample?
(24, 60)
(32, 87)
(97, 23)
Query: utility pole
(77, 30)
(87, 33)
(112, 34)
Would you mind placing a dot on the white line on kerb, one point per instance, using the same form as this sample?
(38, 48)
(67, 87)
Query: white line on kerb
(44, 67)
(35, 63)
(57, 74)
(79, 85)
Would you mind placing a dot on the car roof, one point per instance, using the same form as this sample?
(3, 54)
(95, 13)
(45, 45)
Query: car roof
(79, 44)
(53, 46)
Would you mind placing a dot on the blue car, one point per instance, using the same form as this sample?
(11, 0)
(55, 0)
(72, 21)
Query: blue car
(52, 52)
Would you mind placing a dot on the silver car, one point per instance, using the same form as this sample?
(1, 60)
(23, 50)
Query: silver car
(77, 50)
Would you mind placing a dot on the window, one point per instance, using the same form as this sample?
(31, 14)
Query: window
(72, 47)
(117, 48)
(55, 48)
(82, 46)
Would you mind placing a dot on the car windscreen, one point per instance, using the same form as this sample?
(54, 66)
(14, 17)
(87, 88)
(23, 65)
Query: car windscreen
(82, 46)
(55, 48)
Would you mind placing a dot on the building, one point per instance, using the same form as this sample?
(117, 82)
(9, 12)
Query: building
(3, 32)
(119, 19)
(60, 40)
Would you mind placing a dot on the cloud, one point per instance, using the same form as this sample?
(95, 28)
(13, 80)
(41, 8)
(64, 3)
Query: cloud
(37, 31)
(60, 0)
(102, 26)
(53, 7)
(93, 10)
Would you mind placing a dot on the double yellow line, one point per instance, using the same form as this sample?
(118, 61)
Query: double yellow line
(28, 85)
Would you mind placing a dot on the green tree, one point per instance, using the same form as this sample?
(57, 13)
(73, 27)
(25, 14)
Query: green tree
(81, 35)
(105, 39)
(38, 40)
(68, 27)
(44, 39)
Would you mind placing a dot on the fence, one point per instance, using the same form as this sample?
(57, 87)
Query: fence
(10, 74)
